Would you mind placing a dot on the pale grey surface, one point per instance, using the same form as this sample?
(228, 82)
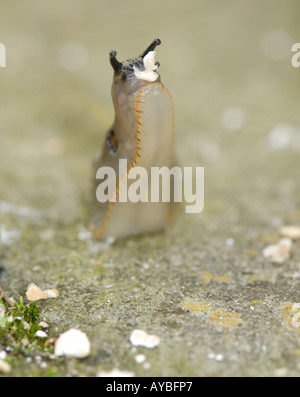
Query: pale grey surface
(213, 56)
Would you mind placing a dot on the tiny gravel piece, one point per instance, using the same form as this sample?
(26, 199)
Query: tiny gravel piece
(5, 368)
(140, 358)
(279, 252)
(73, 343)
(35, 293)
(41, 334)
(292, 232)
(139, 337)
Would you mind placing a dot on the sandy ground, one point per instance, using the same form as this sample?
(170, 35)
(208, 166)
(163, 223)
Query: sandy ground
(219, 306)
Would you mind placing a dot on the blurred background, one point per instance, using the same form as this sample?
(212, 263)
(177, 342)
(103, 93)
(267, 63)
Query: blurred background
(226, 63)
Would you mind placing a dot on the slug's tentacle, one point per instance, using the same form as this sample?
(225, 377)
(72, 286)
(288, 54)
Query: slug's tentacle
(117, 66)
(151, 47)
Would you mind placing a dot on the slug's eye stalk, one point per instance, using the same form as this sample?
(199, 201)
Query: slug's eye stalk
(151, 47)
(117, 66)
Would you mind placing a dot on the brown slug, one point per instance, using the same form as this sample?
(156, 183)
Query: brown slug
(140, 138)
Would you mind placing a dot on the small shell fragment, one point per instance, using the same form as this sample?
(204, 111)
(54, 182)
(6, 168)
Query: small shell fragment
(292, 232)
(73, 343)
(139, 337)
(35, 293)
(5, 368)
(279, 252)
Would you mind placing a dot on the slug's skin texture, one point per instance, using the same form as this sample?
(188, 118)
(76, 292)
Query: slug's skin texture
(142, 133)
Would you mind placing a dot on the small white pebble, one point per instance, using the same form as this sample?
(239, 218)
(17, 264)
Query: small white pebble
(73, 343)
(230, 241)
(146, 366)
(9, 349)
(139, 337)
(115, 373)
(5, 368)
(219, 357)
(3, 355)
(280, 372)
(43, 365)
(279, 252)
(41, 334)
(140, 358)
(284, 136)
(251, 307)
(292, 232)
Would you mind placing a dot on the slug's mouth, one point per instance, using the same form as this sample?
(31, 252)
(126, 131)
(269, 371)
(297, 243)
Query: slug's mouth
(142, 68)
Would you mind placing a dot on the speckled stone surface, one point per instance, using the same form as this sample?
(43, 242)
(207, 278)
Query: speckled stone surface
(219, 307)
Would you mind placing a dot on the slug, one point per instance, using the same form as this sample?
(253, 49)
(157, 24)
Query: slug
(140, 138)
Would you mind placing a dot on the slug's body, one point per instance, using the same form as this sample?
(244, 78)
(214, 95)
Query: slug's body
(142, 133)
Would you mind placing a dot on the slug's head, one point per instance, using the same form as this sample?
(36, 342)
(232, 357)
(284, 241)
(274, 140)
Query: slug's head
(136, 71)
